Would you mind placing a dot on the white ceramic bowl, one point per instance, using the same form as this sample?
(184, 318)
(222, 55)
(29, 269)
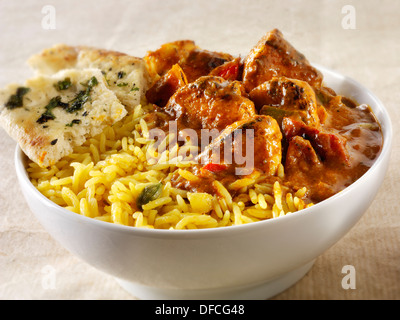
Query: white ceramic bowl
(253, 261)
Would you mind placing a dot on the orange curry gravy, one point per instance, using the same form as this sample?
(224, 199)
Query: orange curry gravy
(324, 141)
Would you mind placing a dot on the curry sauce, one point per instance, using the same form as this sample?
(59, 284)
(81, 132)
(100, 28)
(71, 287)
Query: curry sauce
(322, 140)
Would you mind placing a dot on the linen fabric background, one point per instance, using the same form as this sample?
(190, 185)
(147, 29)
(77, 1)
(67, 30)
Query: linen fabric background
(358, 38)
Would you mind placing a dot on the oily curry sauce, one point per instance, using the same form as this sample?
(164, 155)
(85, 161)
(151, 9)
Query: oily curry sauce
(323, 141)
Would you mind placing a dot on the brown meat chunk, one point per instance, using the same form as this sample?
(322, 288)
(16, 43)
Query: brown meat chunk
(201, 62)
(295, 96)
(273, 56)
(303, 168)
(166, 86)
(209, 103)
(194, 61)
(247, 144)
(329, 146)
(160, 61)
(300, 156)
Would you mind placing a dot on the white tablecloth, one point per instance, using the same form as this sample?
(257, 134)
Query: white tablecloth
(365, 48)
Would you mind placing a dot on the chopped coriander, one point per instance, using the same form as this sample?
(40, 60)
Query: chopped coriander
(63, 85)
(77, 103)
(134, 88)
(72, 106)
(75, 121)
(82, 97)
(122, 84)
(105, 78)
(92, 82)
(16, 100)
(48, 114)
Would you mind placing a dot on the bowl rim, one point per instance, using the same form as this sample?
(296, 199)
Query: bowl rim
(387, 132)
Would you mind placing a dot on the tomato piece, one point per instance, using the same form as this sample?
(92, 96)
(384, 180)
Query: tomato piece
(229, 70)
(214, 167)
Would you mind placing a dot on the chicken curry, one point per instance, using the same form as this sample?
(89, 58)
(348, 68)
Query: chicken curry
(323, 140)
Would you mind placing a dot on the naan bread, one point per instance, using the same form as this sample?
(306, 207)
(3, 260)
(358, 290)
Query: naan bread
(126, 75)
(51, 114)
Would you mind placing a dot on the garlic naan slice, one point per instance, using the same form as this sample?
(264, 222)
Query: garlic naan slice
(51, 114)
(126, 75)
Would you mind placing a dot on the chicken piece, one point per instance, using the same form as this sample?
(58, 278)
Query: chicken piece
(166, 86)
(294, 96)
(209, 103)
(329, 146)
(300, 156)
(201, 62)
(194, 61)
(304, 168)
(273, 56)
(160, 61)
(246, 145)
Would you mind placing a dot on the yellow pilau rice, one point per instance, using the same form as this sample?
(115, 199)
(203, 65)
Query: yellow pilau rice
(103, 178)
